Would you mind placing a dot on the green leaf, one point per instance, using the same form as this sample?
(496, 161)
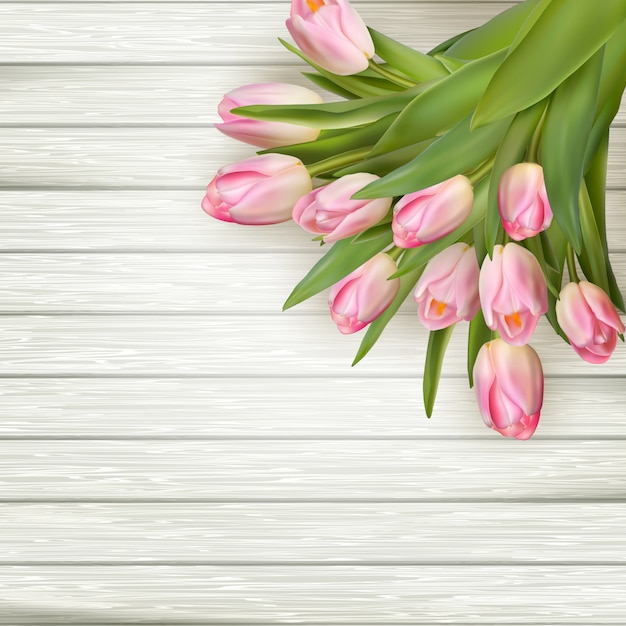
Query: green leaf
(499, 32)
(437, 343)
(376, 328)
(374, 232)
(410, 62)
(444, 46)
(479, 334)
(564, 37)
(329, 85)
(595, 179)
(511, 151)
(327, 146)
(592, 259)
(346, 113)
(385, 163)
(564, 142)
(360, 85)
(343, 258)
(452, 64)
(459, 150)
(424, 253)
(441, 106)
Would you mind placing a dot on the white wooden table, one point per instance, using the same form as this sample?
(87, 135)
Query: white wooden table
(174, 449)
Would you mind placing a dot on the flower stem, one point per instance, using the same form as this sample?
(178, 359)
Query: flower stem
(481, 171)
(390, 76)
(571, 265)
(395, 253)
(338, 161)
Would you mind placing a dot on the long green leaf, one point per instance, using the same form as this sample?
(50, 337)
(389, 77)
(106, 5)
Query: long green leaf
(566, 132)
(591, 258)
(437, 343)
(329, 85)
(383, 164)
(444, 46)
(342, 114)
(496, 34)
(441, 106)
(358, 84)
(410, 62)
(459, 150)
(376, 328)
(326, 147)
(479, 334)
(511, 151)
(343, 258)
(424, 253)
(595, 179)
(564, 37)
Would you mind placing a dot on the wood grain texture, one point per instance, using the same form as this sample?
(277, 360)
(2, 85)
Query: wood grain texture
(278, 409)
(315, 533)
(164, 221)
(147, 157)
(321, 470)
(321, 595)
(156, 283)
(219, 33)
(243, 345)
(137, 95)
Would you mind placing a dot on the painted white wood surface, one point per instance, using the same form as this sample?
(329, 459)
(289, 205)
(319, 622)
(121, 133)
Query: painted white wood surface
(173, 448)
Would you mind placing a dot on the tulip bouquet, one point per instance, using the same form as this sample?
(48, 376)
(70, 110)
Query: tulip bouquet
(472, 176)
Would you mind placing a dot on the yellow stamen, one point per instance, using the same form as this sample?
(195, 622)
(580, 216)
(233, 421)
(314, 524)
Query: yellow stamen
(513, 320)
(314, 5)
(437, 308)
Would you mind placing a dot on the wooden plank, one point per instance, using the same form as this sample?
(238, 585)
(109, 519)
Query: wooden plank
(157, 283)
(322, 595)
(314, 533)
(146, 157)
(125, 95)
(75, 408)
(345, 470)
(164, 221)
(244, 346)
(207, 33)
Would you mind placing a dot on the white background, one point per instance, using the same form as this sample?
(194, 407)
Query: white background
(175, 450)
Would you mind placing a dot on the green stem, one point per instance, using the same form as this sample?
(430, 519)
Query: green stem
(479, 173)
(571, 264)
(532, 154)
(335, 162)
(395, 253)
(390, 76)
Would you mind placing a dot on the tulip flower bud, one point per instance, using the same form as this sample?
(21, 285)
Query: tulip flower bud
(364, 294)
(261, 133)
(331, 212)
(429, 214)
(259, 190)
(590, 321)
(332, 34)
(447, 291)
(513, 293)
(523, 201)
(508, 381)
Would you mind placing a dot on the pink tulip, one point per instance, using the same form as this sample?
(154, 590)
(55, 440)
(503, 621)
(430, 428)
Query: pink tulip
(590, 321)
(508, 381)
(447, 291)
(331, 212)
(332, 34)
(363, 295)
(429, 214)
(513, 293)
(261, 133)
(259, 190)
(523, 201)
